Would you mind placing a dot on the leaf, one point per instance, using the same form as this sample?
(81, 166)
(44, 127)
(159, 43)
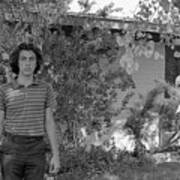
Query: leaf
(86, 5)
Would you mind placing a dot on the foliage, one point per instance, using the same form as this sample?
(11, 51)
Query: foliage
(81, 74)
(78, 163)
(164, 13)
(164, 108)
(86, 7)
(143, 112)
(27, 21)
(161, 11)
(108, 9)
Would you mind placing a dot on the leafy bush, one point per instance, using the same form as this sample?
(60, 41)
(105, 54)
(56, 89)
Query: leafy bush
(165, 109)
(78, 163)
(85, 73)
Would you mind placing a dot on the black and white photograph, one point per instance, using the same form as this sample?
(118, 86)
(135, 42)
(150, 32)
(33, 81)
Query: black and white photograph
(89, 89)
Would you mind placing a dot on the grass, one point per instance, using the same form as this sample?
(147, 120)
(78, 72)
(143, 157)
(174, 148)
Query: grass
(163, 171)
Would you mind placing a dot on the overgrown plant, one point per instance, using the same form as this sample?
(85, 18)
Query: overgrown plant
(166, 110)
(80, 69)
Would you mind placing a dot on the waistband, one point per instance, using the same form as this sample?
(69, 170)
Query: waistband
(22, 138)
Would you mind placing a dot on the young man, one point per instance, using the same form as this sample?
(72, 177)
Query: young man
(26, 115)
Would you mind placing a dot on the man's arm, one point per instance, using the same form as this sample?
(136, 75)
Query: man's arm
(1, 123)
(51, 131)
(2, 110)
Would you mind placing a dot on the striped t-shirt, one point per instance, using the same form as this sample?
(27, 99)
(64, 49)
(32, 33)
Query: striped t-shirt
(25, 107)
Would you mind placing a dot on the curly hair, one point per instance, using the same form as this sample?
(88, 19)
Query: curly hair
(14, 56)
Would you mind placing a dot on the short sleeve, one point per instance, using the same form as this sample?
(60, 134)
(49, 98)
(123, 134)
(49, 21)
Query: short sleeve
(2, 100)
(50, 98)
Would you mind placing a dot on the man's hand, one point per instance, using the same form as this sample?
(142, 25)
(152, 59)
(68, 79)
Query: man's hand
(54, 166)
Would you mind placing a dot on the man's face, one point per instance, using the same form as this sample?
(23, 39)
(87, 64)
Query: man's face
(27, 62)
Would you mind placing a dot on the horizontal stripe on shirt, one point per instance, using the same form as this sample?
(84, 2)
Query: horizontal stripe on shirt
(25, 107)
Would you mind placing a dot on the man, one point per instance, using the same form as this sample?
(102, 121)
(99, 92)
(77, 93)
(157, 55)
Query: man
(26, 115)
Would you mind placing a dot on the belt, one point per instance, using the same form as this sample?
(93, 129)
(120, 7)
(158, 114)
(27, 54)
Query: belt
(22, 138)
